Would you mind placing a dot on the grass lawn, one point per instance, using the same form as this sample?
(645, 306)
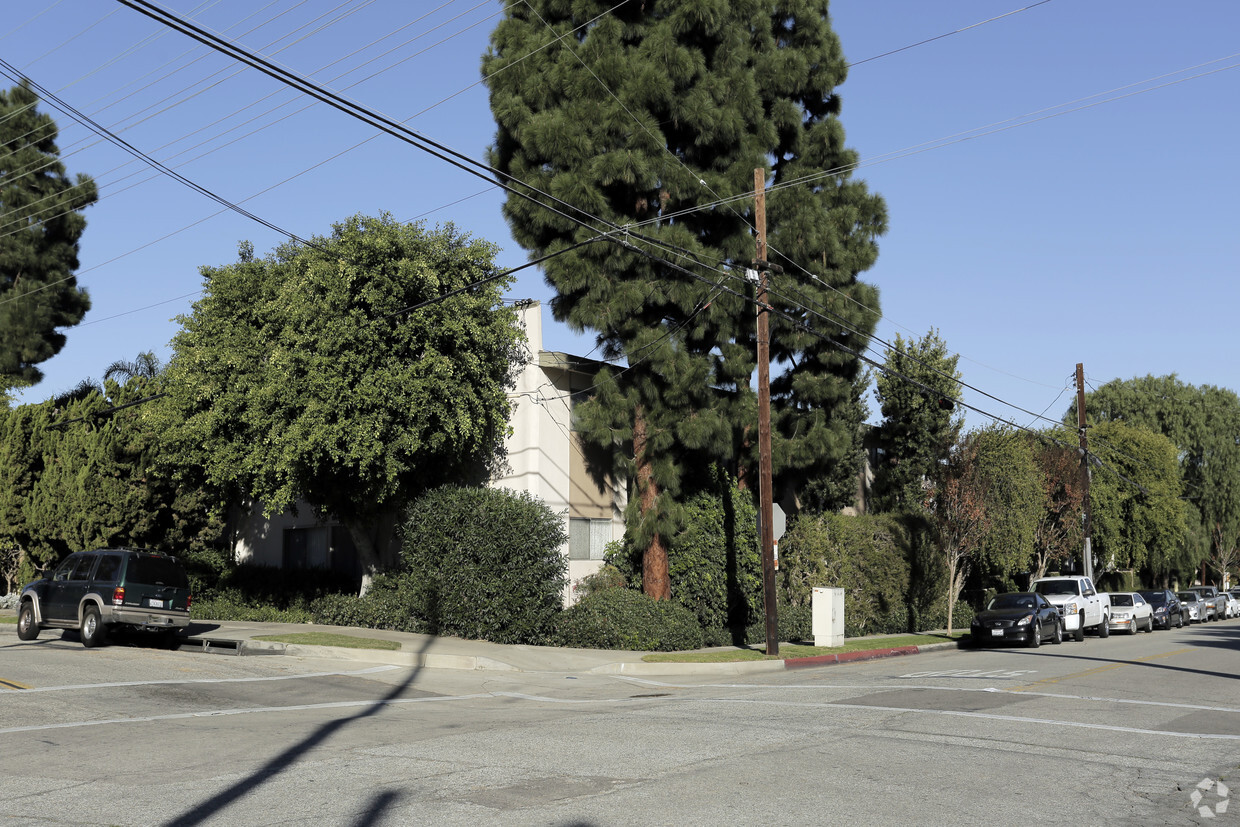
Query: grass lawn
(8, 618)
(758, 652)
(330, 639)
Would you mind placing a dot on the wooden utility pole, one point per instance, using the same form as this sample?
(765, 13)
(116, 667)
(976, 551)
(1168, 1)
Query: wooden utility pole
(765, 511)
(1087, 555)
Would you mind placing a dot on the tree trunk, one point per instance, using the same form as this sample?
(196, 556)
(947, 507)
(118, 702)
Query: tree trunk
(655, 580)
(951, 594)
(373, 542)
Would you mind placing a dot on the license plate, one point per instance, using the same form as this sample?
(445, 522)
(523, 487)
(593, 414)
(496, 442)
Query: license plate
(154, 604)
(996, 632)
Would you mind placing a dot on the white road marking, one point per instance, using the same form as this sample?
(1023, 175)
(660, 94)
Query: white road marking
(247, 711)
(71, 687)
(887, 687)
(972, 673)
(616, 701)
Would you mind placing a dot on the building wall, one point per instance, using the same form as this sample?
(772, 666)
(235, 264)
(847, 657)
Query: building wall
(546, 458)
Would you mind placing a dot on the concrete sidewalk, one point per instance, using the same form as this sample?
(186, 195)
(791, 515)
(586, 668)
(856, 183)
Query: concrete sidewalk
(236, 637)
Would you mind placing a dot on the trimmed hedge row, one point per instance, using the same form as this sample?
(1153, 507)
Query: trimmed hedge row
(486, 564)
(627, 619)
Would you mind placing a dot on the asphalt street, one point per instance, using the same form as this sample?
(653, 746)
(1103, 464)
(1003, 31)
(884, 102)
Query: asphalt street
(1126, 730)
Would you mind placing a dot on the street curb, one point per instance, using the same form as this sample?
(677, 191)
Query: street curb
(864, 655)
(743, 667)
(471, 663)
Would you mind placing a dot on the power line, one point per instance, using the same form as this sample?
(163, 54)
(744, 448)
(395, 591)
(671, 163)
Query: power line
(948, 34)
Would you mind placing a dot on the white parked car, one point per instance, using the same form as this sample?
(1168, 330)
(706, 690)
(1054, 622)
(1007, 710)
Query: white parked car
(1233, 604)
(1130, 612)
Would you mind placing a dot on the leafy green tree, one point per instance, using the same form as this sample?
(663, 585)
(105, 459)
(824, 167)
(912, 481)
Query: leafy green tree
(642, 115)
(985, 502)
(40, 225)
(958, 513)
(1138, 517)
(92, 470)
(916, 394)
(1012, 491)
(1202, 423)
(860, 554)
(22, 455)
(1059, 533)
(306, 374)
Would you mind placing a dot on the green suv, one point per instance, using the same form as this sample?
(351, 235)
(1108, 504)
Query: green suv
(108, 589)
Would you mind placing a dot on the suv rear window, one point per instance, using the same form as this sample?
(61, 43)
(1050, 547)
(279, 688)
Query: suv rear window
(156, 571)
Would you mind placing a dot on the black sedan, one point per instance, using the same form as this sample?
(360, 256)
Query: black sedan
(1024, 617)
(1168, 611)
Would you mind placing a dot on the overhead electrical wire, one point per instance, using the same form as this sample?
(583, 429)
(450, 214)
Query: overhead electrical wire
(356, 110)
(136, 5)
(283, 37)
(803, 299)
(948, 34)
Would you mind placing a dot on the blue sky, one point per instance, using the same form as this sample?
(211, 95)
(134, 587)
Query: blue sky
(1060, 182)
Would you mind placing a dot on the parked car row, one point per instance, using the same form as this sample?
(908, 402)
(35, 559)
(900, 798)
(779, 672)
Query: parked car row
(1032, 617)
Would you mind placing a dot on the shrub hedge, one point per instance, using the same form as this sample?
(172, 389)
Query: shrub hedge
(714, 562)
(860, 554)
(484, 563)
(628, 619)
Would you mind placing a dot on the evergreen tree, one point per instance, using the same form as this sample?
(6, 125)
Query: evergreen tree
(40, 224)
(643, 115)
(920, 423)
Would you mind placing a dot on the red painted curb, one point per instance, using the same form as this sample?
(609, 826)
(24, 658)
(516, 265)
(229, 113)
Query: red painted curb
(848, 657)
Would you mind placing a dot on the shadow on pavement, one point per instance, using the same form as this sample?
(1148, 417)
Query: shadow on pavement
(379, 805)
(207, 809)
(1228, 638)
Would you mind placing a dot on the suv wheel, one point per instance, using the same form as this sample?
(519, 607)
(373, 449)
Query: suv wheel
(27, 628)
(1079, 634)
(92, 628)
(1104, 628)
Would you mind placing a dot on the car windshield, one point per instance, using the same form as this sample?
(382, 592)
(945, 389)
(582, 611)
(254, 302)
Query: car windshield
(1157, 598)
(1121, 600)
(156, 571)
(1189, 596)
(1057, 587)
(1012, 601)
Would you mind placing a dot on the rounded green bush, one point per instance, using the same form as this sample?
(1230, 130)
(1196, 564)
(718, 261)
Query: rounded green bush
(627, 619)
(484, 563)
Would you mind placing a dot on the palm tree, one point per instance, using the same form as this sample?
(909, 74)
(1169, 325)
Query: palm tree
(146, 366)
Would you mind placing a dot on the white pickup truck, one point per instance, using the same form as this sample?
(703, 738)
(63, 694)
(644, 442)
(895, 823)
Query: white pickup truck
(1080, 604)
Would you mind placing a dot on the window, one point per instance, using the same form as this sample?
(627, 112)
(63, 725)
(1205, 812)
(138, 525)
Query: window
(320, 547)
(587, 539)
(306, 548)
(109, 567)
(82, 570)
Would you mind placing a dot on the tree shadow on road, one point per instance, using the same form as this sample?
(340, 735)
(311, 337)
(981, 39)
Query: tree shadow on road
(198, 813)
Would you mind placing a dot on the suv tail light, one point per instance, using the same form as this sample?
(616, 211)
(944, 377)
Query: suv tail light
(189, 601)
(118, 595)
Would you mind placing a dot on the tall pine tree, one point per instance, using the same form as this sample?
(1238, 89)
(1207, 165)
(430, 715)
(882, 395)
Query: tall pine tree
(40, 224)
(644, 115)
(920, 422)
